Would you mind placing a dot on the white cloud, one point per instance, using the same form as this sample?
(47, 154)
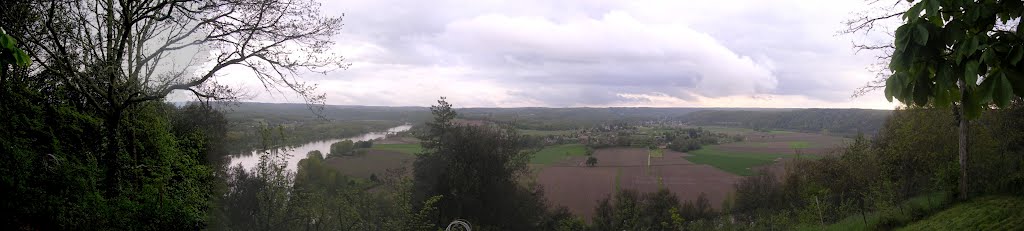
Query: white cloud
(595, 53)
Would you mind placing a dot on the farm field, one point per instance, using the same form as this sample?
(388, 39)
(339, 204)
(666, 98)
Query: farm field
(410, 149)
(570, 183)
(567, 181)
(372, 162)
(771, 151)
(740, 163)
(556, 153)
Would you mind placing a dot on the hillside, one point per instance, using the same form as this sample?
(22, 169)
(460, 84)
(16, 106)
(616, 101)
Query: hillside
(986, 213)
(839, 121)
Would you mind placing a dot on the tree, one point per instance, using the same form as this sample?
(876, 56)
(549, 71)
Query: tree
(476, 170)
(114, 55)
(342, 148)
(591, 161)
(962, 53)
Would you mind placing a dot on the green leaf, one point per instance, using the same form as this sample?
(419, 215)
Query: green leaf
(921, 35)
(921, 91)
(1016, 80)
(902, 38)
(971, 73)
(1002, 91)
(989, 56)
(1020, 29)
(1016, 54)
(914, 12)
(932, 8)
(890, 87)
(7, 42)
(953, 32)
(984, 93)
(22, 59)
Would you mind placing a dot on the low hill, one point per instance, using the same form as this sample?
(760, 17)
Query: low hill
(838, 121)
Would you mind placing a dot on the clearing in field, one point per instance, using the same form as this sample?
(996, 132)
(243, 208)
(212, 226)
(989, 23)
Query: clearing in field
(568, 183)
(556, 153)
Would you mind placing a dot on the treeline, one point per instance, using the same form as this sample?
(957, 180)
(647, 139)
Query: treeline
(837, 121)
(689, 139)
(550, 119)
(59, 171)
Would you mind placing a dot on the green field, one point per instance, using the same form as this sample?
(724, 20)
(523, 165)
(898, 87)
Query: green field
(986, 213)
(738, 163)
(402, 148)
(552, 154)
(544, 133)
(657, 153)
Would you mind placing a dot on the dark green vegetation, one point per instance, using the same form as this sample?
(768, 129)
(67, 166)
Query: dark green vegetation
(959, 53)
(660, 210)
(342, 148)
(475, 171)
(905, 173)
(984, 213)
(836, 121)
(976, 43)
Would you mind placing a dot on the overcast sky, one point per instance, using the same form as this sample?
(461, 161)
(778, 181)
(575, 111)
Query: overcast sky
(594, 53)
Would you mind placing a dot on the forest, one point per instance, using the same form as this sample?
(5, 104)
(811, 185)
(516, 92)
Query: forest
(839, 121)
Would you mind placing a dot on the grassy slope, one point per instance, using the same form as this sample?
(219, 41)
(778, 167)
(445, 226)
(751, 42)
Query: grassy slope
(986, 213)
(403, 148)
(738, 163)
(928, 203)
(552, 154)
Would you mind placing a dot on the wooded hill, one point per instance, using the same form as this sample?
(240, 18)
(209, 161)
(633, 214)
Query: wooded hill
(836, 121)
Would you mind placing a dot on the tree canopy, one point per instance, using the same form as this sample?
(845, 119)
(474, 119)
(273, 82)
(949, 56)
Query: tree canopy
(967, 51)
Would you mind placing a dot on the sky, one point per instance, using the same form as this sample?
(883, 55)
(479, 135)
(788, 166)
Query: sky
(576, 53)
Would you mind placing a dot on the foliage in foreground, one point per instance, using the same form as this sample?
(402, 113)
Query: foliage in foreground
(984, 213)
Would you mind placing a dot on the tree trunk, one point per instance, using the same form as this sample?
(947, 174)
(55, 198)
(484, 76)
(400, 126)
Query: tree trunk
(963, 141)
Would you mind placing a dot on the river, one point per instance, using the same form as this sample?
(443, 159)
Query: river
(297, 153)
